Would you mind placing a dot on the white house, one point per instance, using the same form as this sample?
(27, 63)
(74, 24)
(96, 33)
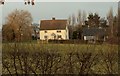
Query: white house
(54, 29)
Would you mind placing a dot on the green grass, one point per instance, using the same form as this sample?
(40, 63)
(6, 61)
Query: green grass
(34, 47)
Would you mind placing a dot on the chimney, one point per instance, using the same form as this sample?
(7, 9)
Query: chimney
(53, 18)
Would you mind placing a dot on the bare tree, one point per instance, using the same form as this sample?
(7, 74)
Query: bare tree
(73, 20)
(115, 26)
(71, 23)
(69, 20)
(110, 21)
(79, 18)
(17, 26)
(119, 20)
(83, 17)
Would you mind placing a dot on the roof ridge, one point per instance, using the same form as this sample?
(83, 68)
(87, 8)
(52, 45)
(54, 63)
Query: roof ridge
(55, 20)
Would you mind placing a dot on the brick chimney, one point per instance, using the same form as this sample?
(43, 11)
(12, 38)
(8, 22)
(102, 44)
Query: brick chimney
(53, 18)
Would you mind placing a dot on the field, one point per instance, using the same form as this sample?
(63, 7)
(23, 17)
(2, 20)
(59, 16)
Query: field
(34, 58)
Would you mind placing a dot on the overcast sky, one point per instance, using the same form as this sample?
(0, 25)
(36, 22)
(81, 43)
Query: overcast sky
(60, 10)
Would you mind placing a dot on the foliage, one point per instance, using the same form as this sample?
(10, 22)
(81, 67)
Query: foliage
(76, 35)
(23, 58)
(17, 27)
(93, 20)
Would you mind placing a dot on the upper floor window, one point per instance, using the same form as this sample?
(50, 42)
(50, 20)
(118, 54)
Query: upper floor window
(45, 31)
(59, 36)
(58, 31)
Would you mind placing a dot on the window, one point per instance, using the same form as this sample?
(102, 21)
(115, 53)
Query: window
(58, 31)
(45, 37)
(59, 36)
(45, 31)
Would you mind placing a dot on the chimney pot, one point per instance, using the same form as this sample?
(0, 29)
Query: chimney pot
(53, 18)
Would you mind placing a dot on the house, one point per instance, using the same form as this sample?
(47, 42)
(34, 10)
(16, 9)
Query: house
(54, 29)
(93, 34)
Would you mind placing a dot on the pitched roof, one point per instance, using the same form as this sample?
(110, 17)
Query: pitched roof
(93, 31)
(53, 24)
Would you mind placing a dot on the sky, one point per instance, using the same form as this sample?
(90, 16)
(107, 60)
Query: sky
(59, 10)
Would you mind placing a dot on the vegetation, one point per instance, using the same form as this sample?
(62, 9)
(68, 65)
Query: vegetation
(33, 58)
(18, 26)
(109, 23)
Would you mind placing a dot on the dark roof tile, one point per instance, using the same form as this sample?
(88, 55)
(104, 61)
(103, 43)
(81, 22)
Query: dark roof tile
(93, 31)
(53, 24)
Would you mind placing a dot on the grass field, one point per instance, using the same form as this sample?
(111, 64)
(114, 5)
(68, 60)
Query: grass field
(32, 47)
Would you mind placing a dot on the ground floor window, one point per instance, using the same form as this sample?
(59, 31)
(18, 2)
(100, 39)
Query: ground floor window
(45, 37)
(59, 36)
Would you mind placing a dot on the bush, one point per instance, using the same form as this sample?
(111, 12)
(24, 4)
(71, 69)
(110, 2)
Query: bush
(64, 59)
(59, 59)
(113, 40)
(67, 41)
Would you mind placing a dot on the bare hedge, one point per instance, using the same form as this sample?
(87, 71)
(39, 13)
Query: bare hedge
(19, 60)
